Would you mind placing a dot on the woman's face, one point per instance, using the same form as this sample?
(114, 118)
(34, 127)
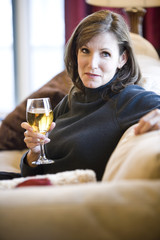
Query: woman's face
(99, 60)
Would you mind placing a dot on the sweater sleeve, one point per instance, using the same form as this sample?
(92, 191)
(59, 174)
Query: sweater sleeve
(26, 170)
(133, 103)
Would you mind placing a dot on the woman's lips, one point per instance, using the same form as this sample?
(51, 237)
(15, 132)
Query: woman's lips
(92, 75)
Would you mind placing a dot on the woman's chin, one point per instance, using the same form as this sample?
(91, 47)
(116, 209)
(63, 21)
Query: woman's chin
(91, 85)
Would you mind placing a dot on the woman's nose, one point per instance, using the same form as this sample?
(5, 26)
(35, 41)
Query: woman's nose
(93, 61)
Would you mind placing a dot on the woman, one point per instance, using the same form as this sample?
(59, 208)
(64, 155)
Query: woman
(103, 103)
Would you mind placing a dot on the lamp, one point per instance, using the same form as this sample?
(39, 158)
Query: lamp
(134, 9)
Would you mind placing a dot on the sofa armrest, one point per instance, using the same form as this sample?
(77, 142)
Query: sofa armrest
(135, 157)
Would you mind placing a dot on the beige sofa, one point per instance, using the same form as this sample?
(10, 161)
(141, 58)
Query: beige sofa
(125, 205)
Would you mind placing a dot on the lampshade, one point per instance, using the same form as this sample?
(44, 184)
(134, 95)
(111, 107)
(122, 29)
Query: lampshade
(124, 3)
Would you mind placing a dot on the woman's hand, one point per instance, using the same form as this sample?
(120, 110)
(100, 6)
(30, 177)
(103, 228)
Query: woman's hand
(32, 140)
(149, 122)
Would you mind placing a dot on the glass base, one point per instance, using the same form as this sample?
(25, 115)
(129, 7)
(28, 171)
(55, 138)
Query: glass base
(43, 161)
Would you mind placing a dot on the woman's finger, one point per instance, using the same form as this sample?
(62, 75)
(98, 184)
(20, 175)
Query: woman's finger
(149, 122)
(35, 135)
(26, 126)
(53, 124)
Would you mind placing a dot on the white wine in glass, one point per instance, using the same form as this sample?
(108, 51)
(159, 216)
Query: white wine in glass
(39, 115)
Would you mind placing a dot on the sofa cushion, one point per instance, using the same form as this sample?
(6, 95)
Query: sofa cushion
(135, 157)
(150, 69)
(143, 47)
(124, 210)
(11, 133)
(10, 160)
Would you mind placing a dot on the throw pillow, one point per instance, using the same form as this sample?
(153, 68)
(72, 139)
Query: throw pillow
(11, 133)
(77, 176)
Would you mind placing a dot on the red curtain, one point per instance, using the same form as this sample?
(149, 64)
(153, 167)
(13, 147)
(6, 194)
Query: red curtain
(75, 10)
(151, 27)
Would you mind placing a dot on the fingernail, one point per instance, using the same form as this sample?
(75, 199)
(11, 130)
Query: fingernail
(47, 140)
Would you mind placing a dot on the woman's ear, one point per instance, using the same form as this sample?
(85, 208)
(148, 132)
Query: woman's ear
(123, 59)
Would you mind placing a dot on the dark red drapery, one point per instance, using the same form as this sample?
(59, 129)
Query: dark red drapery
(151, 27)
(75, 10)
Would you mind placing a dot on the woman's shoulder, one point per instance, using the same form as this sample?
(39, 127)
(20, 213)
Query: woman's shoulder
(135, 93)
(133, 90)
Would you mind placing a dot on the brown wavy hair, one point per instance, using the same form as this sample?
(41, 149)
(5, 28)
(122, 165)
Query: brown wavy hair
(101, 22)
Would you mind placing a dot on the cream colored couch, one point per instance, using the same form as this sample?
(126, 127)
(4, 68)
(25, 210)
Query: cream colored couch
(125, 205)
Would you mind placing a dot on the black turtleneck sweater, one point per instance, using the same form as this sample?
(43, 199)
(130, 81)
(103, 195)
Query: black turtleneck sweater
(89, 128)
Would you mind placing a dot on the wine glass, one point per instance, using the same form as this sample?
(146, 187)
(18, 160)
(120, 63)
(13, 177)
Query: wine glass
(39, 115)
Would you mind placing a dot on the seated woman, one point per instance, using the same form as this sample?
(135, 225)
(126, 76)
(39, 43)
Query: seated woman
(104, 101)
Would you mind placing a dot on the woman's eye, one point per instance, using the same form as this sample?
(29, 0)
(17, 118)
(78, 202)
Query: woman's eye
(84, 50)
(106, 54)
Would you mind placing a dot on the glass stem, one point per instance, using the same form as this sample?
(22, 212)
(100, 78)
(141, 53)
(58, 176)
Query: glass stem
(43, 156)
